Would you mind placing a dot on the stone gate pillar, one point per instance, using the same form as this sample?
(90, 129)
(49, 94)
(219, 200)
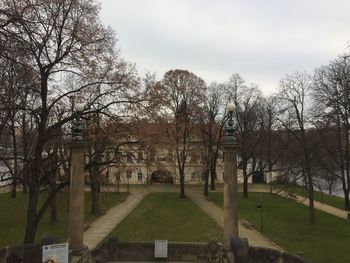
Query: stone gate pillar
(76, 197)
(230, 147)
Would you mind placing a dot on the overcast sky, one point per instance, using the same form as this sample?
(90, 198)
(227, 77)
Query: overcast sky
(262, 40)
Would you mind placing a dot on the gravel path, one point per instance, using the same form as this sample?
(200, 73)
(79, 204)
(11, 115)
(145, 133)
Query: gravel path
(254, 237)
(101, 227)
(318, 205)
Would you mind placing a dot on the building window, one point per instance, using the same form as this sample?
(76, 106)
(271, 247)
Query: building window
(117, 176)
(170, 155)
(117, 156)
(193, 176)
(128, 174)
(161, 159)
(193, 158)
(139, 156)
(129, 157)
(153, 155)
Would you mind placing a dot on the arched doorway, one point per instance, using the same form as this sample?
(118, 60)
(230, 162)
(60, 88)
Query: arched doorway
(162, 176)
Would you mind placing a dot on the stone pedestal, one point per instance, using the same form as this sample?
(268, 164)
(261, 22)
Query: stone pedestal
(76, 199)
(230, 196)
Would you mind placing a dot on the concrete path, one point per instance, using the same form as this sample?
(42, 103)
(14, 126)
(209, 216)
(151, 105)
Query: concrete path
(102, 226)
(318, 205)
(261, 188)
(254, 237)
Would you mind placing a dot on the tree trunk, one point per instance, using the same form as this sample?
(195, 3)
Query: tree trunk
(206, 182)
(52, 182)
(312, 209)
(53, 211)
(15, 165)
(212, 179)
(213, 172)
(182, 179)
(181, 160)
(25, 188)
(245, 187)
(182, 183)
(95, 199)
(24, 179)
(14, 188)
(312, 219)
(310, 187)
(53, 204)
(95, 192)
(347, 172)
(344, 187)
(32, 218)
(346, 199)
(245, 181)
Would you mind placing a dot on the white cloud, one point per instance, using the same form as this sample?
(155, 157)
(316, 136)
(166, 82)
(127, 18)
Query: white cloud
(261, 40)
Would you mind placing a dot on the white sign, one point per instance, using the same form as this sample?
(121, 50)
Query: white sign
(160, 248)
(57, 253)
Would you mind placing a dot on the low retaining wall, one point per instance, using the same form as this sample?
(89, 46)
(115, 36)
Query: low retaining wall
(114, 250)
(28, 253)
(33, 254)
(263, 255)
(144, 251)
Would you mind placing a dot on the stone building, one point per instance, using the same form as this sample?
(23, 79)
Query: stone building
(145, 153)
(139, 163)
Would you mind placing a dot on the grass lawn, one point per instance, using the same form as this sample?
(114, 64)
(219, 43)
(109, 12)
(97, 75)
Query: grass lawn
(167, 216)
(13, 214)
(332, 200)
(286, 223)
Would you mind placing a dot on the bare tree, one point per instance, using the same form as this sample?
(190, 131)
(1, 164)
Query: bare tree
(180, 94)
(294, 97)
(273, 142)
(331, 90)
(247, 100)
(212, 120)
(60, 39)
(99, 140)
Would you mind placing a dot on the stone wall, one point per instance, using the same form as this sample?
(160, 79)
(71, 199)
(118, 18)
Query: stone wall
(28, 253)
(263, 255)
(114, 250)
(33, 254)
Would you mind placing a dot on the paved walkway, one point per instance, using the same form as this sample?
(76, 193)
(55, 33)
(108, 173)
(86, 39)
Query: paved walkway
(102, 226)
(261, 188)
(318, 205)
(254, 237)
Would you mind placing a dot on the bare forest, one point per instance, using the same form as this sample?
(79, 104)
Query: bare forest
(55, 54)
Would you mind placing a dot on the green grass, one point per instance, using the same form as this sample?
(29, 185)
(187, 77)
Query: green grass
(286, 223)
(13, 214)
(332, 200)
(167, 216)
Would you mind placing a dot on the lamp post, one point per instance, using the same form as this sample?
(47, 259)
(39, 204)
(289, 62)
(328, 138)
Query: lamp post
(260, 206)
(229, 146)
(76, 197)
